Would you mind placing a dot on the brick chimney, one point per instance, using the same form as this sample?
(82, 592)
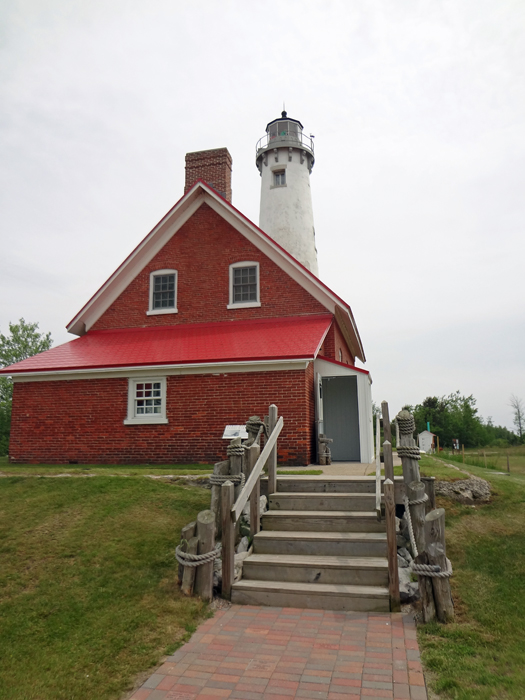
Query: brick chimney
(214, 167)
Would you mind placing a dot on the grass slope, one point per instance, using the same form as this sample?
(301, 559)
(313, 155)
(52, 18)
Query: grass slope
(482, 655)
(88, 596)
(104, 469)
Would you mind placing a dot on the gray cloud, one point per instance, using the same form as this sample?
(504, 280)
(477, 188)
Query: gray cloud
(418, 111)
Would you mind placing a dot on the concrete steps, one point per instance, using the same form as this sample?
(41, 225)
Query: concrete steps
(343, 544)
(321, 546)
(283, 500)
(309, 568)
(317, 596)
(322, 521)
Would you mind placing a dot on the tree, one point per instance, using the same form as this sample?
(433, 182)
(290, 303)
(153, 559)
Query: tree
(24, 341)
(519, 414)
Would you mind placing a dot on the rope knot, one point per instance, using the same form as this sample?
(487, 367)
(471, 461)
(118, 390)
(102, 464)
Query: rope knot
(219, 480)
(406, 422)
(193, 560)
(408, 452)
(235, 450)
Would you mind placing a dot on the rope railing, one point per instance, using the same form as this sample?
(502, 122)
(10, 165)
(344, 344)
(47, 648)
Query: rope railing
(430, 570)
(193, 560)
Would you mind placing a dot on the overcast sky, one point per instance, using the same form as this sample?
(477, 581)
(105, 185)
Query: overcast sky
(418, 186)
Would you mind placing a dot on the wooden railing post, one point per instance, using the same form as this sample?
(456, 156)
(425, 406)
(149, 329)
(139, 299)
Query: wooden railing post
(188, 577)
(406, 439)
(378, 467)
(272, 460)
(430, 489)
(228, 539)
(220, 469)
(186, 534)
(252, 455)
(389, 461)
(436, 552)
(206, 535)
(236, 462)
(387, 429)
(390, 517)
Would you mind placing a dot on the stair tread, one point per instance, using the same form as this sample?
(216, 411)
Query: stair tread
(333, 536)
(325, 478)
(322, 513)
(313, 588)
(313, 494)
(316, 560)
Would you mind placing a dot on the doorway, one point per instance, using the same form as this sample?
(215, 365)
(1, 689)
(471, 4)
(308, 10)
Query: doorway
(341, 417)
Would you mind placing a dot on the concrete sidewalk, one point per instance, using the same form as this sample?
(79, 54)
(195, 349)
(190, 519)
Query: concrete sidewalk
(264, 653)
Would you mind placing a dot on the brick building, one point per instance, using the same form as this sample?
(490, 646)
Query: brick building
(206, 322)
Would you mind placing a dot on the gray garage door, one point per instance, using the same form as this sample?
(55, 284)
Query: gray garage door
(341, 417)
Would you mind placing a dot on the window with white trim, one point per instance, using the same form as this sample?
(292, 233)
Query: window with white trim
(163, 292)
(146, 401)
(244, 285)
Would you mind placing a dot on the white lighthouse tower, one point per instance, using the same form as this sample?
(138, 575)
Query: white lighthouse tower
(285, 158)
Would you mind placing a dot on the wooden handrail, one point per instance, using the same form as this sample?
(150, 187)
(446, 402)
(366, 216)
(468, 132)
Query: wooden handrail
(378, 467)
(244, 495)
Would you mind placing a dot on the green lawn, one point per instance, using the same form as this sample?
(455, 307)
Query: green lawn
(88, 594)
(428, 466)
(482, 654)
(105, 469)
(493, 458)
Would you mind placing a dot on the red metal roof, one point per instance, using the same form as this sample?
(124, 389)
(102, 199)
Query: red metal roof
(288, 338)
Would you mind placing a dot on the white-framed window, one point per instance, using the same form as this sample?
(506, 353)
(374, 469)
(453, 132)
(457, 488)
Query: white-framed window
(146, 401)
(279, 178)
(244, 285)
(162, 292)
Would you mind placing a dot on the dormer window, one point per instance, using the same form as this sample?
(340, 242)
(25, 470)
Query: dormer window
(162, 292)
(244, 285)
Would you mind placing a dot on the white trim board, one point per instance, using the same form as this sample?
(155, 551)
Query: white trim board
(165, 370)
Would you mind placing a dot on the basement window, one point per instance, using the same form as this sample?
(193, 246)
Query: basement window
(146, 401)
(244, 285)
(162, 292)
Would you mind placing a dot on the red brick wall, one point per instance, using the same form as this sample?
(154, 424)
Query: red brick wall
(334, 342)
(214, 167)
(82, 420)
(202, 251)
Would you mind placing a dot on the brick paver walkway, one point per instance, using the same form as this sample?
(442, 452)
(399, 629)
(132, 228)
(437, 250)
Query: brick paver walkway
(259, 653)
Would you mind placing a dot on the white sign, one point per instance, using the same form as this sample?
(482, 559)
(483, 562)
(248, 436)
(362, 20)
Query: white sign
(234, 431)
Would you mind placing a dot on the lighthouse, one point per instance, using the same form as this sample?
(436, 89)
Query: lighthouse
(285, 158)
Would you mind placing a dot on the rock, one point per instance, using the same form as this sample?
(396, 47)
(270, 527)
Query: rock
(403, 552)
(238, 562)
(398, 524)
(243, 545)
(403, 529)
(217, 572)
(408, 589)
(404, 558)
(401, 541)
(468, 491)
(244, 528)
(263, 504)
